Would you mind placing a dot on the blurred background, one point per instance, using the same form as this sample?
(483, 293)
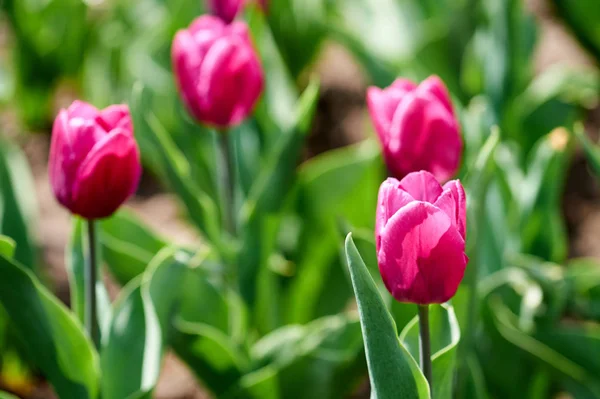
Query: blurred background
(54, 51)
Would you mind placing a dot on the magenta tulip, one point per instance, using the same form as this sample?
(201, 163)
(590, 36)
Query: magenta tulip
(94, 163)
(417, 127)
(225, 9)
(420, 237)
(217, 71)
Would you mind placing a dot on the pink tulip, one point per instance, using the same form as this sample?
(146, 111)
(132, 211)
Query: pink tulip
(225, 9)
(94, 163)
(417, 127)
(217, 71)
(420, 231)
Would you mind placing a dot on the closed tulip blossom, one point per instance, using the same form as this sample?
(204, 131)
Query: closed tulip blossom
(94, 163)
(417, 127)
(225, 9)
(420, 237)
(218, 73)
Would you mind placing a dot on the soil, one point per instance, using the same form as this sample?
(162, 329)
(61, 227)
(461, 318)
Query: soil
(340, 120)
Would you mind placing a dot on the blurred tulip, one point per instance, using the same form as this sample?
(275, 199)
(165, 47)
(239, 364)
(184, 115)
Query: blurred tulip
(417, 127)
(420, 237)
(217, 71)
(94, 163)
(225, 9)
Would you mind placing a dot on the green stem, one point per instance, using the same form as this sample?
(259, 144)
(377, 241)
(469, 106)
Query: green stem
(91, 318)
(228, 183)
(425, 342)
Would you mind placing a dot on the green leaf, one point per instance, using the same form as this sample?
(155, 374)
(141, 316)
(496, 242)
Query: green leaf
(581, 17)
(445, 335)
(210, 328)
(555, 98)
(592, 151)
(277, 175)
(275, 110)
(345, 169)
(572, 352)
(392, 370)
(52, 337)
(583, 279)
(128, 245)
(355, 172)
(76, 255)
(322, 359)
(175, 166)
(7, 246)
(268, 194)
(259, 384)
(299, 27)
(17, 205)
(215, 359)
(6, 395)
(132, 351)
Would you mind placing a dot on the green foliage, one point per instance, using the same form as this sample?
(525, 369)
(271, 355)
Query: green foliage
(127, 245)
(392, 370)
(444, 342)
(76, 258)
(580, 17)
(17, 205)
(132, 352)
(523, 308)
(266, 311)
(52, 337)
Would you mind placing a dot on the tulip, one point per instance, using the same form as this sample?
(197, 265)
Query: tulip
(225, 9)
(420, 237)
(94, 163)
(417, 127)
(217, 71)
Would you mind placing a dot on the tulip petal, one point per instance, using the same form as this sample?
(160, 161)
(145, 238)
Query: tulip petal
(381, 111)
(446, 147)
(59, 158)
(115, 116)
(422, 186)
(108, 176)
(436, 87)
(453, 202)
(218, 72)
(383, 103)
(226, 9)
(80, 109)
(208, 23)
(186, 61)
(421, 258)
(390, 199)
(214, 83)
(403, 86)
(407, 131)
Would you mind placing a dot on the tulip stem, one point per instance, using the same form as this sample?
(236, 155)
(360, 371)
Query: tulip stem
(228, 183)
(90, 277)
(425, 342)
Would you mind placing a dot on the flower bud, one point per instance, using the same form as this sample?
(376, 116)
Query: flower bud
(94, 163)
(225, 9)
(417, 127)
(420, 237)
(217, 71)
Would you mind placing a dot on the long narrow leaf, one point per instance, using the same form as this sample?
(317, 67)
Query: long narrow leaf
(392, 370)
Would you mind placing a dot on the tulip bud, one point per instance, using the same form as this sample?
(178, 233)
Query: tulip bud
(225, 9)
(417, 127)
(217, 71)
(420, 237)
(94, 163)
